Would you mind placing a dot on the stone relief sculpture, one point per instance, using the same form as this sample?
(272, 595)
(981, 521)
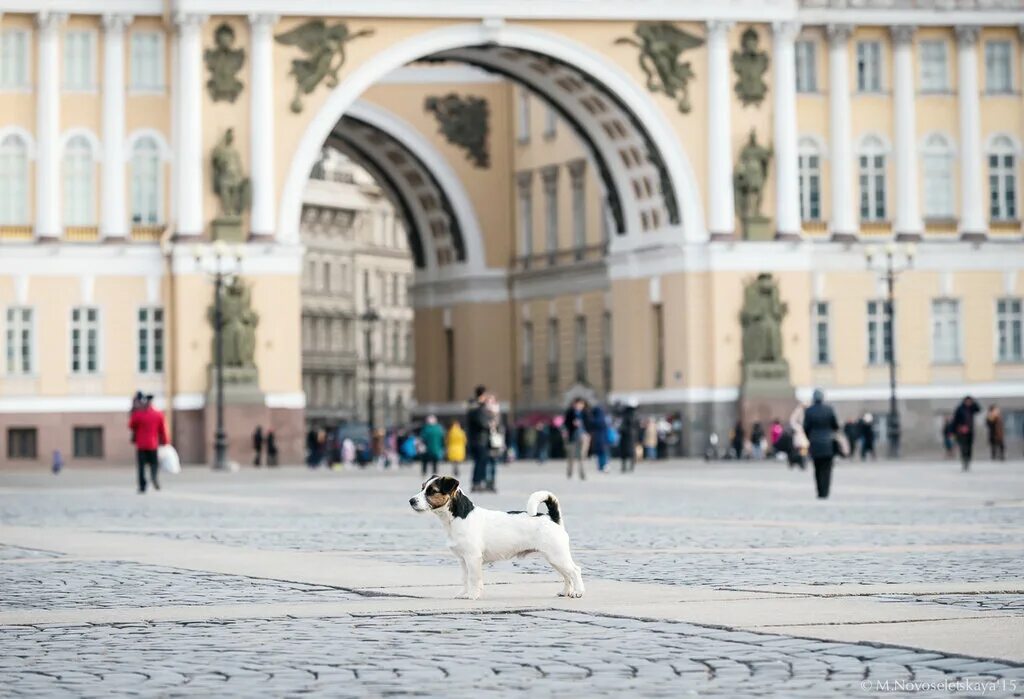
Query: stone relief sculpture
(761, 320)
(464, 123)
(238, 325)
(324, 47)
(231, 186)
(224, 61)
(750, 64)
(661, 44)
(748, 184)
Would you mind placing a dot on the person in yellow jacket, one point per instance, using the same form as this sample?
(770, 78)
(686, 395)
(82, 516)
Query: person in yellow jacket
(456, 443)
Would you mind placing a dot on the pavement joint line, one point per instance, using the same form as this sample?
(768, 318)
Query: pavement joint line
(985, 616)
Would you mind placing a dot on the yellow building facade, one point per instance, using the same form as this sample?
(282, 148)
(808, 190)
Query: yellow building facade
(588, 240)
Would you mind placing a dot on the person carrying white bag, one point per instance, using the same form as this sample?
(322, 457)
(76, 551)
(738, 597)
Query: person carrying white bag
(150, 431)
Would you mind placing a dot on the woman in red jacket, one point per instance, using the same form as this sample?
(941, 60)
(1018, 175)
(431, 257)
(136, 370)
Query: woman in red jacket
(150, 432)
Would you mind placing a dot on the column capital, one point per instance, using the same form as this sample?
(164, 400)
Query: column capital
(262, 19)
(966, 35)
(786, 30)
(524, 178)
(838, 33)
(902, 34)
(50, 21)
(719, 27)
(115, 21)
(188, 20)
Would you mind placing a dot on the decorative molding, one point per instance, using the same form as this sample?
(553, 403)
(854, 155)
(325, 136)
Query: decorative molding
(750, 63)
(902, 34)
(324, 49)
(116, 21)
(524, 179)
(48, 21)
(788, 29)
(966, 35)
(223, 62)
(188, 21)
(464, 122)
(577, 168)
(717, 27)
(661, 45)
(263, 19)
(838, 33)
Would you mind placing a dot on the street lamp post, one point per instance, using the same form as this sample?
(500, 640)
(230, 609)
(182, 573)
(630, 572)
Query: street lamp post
(890, 267)
(370, 318)
(224, 263)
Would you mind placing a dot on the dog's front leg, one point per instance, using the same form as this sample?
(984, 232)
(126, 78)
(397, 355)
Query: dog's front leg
(465, 580)
(475, 576)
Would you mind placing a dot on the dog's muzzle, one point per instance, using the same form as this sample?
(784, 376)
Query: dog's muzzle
(412, 503)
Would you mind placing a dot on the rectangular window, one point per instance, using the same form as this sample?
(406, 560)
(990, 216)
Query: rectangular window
(147, 62)
(809, 166)
(806, 67)
(551, 209)
(20, 340)
(938, 185)
(79, 61)
(553, 356)
(14, 59)
(88, 442)
(659, 345)
(1002, 183)
(581, 349)
(998, 67)
(879, 333)
(85, 340)
(820, 333)
(525, 216)
(21, 442)
(872, 187)
(527, 361)
(1010, 330)
(151, 340)
(934, 65)
(523, 117)
(326, 278)
(579, 212)
(550, 122)
(946, 331)
(606, 351)
(869, 66)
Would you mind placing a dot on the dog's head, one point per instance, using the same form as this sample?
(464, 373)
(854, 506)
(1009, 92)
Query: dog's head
(437, 492)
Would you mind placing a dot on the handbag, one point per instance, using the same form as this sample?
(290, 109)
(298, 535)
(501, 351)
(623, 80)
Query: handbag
(167, 458)
(497, 440)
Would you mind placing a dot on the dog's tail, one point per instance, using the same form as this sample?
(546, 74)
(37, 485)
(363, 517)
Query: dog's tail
(554, 511)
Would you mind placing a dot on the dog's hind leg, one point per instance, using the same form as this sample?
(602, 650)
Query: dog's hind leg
(561, 560)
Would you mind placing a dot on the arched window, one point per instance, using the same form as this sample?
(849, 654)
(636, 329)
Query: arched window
(147, 183)
(809, 165)
(13, 181)
(937, 162)
(79, 185)
(1002, 179)
(872, 179)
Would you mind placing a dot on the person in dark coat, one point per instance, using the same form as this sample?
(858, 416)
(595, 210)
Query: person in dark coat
(737, 440)
(257, 445)
(271, 448)
(963, 426)
(577, 435)
(478, 434)
(820, 424)
(598, 428)
(866, 429)
(852, 431)
(628, 436)
(996, 433)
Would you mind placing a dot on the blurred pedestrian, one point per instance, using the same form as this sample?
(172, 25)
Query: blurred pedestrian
(577, 435)
(543, 442)
(963, 425)
(478, 435)
(775, 432)
(650, 439)
(866, 433)
(757, 441)
(257, 445)
(736, 440)
(599, 442)
(820, 424)
(271, 448)
(996, 433)
(150, 432)
(348, 452)
(432, 435)
(456, 443)
(948, 436)
(852, 431)
(628, 429)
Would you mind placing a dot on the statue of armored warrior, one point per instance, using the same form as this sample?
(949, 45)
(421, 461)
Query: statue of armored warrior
(761, 320)
(750, 177)
(229, 184)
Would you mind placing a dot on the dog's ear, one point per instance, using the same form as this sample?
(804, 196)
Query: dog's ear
(447, 484)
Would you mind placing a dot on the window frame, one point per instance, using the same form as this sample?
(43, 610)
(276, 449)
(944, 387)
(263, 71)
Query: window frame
(71, 63)
(159, 86)
(524, 207)
(79, 213)
(956, 357)
(1009, 358)
(807, 148)
(925, 87)
(24, 80)
(526, 362)
(817, 320)
(937, 148)
(157, 184)
(1000, 147)
(871, 148)
(20, 354)
(580, 355)
(550, 178)
(879, 69)
(883, 320)
(1008, 88)
(28, 429)
(523, 116)
(75, 429)
(554, 355)
(150, 326)
(98, 371)
(16, 199)
(806, 66)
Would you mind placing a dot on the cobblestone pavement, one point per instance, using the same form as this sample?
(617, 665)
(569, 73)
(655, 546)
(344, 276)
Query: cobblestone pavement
(719, 580)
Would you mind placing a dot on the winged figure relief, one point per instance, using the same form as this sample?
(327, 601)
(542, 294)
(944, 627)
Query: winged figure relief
(324, 49)
(661, 45)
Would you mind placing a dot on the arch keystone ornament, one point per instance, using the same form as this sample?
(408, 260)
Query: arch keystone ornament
(464, 122)
(661, 44)
(324, 47)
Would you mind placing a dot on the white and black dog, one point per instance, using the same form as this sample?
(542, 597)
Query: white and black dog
(477, 536)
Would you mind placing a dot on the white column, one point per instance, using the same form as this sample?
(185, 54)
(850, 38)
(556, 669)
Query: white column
(48, 175)
(787, 184)
(188, 147)
(972, 209)
(844, 223)
(113, 212)
(721, 210)
(908, 222)
(261, 138)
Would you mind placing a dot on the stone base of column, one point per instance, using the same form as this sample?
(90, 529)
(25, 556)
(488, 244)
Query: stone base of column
(790, 236)
(262, 237)
(723, 237)
(974, 236)
(908, 237)
(839, 237)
